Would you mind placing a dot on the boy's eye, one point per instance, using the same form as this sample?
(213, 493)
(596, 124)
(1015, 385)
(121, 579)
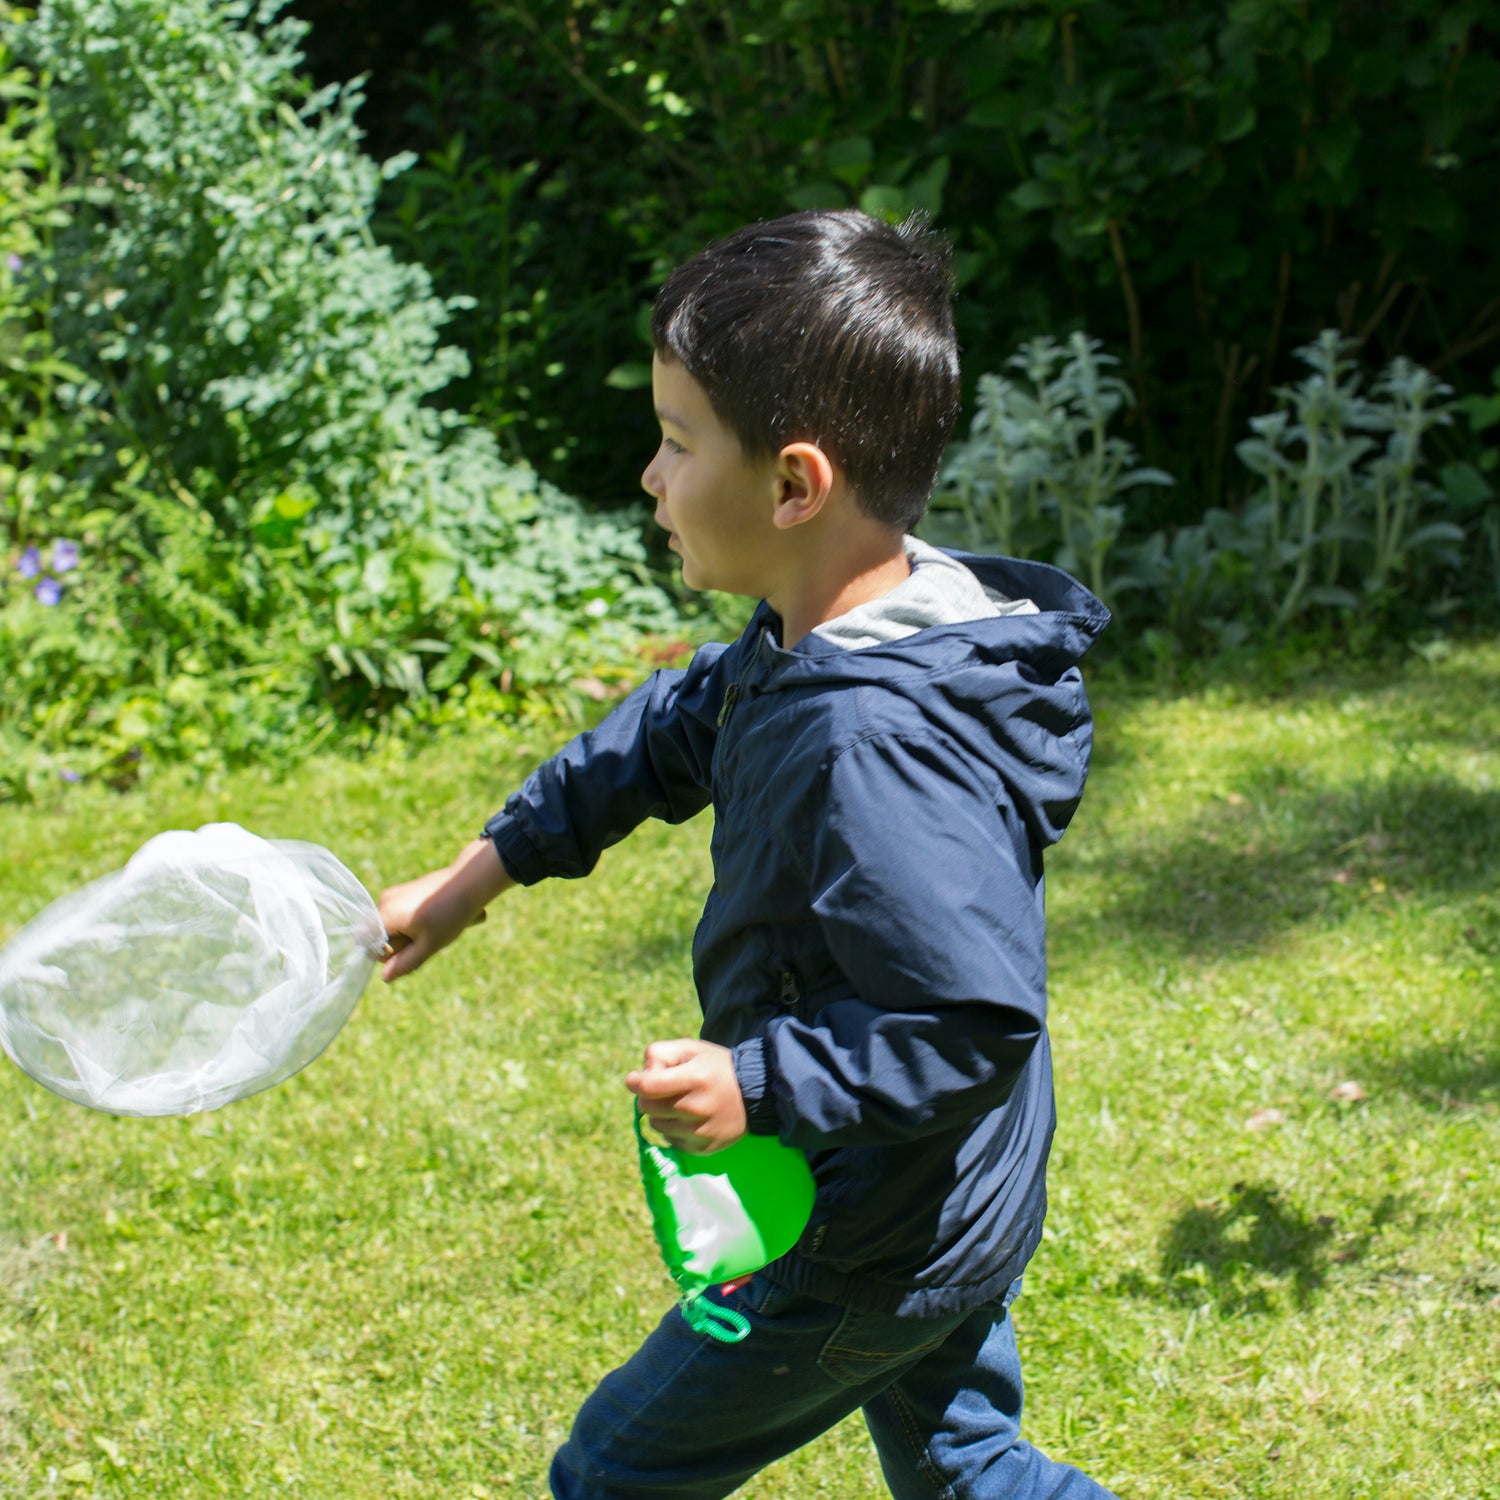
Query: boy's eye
(672, 445)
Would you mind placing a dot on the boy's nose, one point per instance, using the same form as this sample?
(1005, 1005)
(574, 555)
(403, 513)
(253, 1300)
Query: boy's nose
(650, 479)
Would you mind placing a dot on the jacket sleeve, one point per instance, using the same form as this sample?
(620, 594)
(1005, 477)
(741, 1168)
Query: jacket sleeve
(928, 891)
(650, 758)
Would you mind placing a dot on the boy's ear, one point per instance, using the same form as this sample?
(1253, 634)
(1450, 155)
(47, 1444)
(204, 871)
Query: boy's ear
(805, 477)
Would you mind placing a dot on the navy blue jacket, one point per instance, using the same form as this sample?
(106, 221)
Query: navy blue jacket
(873, 947)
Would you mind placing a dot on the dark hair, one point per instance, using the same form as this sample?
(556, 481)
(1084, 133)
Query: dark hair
(829, 327)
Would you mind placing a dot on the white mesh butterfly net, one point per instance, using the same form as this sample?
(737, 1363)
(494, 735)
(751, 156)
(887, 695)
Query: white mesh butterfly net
(214, 965)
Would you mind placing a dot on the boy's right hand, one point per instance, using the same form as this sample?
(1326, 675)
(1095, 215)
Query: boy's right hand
(424, 915)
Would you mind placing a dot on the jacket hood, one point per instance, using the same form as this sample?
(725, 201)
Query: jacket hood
(1006, 687)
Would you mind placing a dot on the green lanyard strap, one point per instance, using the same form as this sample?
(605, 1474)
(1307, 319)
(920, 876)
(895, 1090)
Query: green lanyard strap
(722, 1323)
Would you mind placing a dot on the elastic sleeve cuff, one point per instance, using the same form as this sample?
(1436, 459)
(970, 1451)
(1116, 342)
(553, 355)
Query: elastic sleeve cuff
(750, 1071)
(517, 853)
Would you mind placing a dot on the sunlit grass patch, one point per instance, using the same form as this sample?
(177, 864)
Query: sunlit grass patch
(1272, 1266)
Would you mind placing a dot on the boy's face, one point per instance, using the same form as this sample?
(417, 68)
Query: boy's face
(716, 503)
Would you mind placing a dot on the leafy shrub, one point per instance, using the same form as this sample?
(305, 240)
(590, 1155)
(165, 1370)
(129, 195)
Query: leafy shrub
(1039, 472)
(279, 533)
(39, 441)
(1347, 524)
(1341, 517)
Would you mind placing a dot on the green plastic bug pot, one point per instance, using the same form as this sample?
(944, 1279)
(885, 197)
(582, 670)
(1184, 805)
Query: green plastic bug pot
(721, 1216)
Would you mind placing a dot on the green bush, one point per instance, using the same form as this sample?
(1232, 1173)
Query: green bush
(1343, 518)
(1205, 188)
(279, 533)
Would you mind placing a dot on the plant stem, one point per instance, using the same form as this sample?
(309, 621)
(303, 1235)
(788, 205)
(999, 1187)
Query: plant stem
(1311, 484)
(1132, 314)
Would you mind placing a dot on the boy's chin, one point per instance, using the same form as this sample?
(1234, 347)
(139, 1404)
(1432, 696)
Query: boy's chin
(710, 581)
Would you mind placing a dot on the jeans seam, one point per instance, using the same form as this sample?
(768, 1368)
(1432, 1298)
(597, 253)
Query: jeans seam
(919, 1446)
(878, 1356)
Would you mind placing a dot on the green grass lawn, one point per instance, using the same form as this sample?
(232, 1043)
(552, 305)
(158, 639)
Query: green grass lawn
(1272, 1267)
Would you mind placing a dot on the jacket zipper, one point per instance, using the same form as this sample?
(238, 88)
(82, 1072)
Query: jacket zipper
(736, 690)
(791, 993)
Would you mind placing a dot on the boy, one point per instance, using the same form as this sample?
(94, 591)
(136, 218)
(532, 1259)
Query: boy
(888, 747)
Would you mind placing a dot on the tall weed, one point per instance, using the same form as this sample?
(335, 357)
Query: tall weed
(1341, 517)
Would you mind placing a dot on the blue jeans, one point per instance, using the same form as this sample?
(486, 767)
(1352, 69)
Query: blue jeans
(692, 1419)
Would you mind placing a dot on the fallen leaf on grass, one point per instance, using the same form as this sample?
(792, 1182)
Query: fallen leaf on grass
(1347, 1092)
(1264, 1119)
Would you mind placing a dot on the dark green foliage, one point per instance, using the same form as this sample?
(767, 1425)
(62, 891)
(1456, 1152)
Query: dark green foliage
(278, 532)
(1471, 488)
(1204, 187)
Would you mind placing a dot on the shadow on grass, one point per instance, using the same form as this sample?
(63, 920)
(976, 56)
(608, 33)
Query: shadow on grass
(1245, 1252)
(1267, 859)
(1449, 1077)
(1462, 1070)
(1443, 1078)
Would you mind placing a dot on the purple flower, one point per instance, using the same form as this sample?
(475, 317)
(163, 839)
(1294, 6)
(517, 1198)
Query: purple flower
(68, 774)
(64, 556)
(48, 592)
(15, 263)
(30, 564)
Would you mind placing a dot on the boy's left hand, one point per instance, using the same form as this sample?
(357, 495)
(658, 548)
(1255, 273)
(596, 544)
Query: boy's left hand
(690, 1094)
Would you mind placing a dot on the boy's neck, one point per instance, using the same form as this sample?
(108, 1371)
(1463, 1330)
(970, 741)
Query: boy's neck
(830, 584)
